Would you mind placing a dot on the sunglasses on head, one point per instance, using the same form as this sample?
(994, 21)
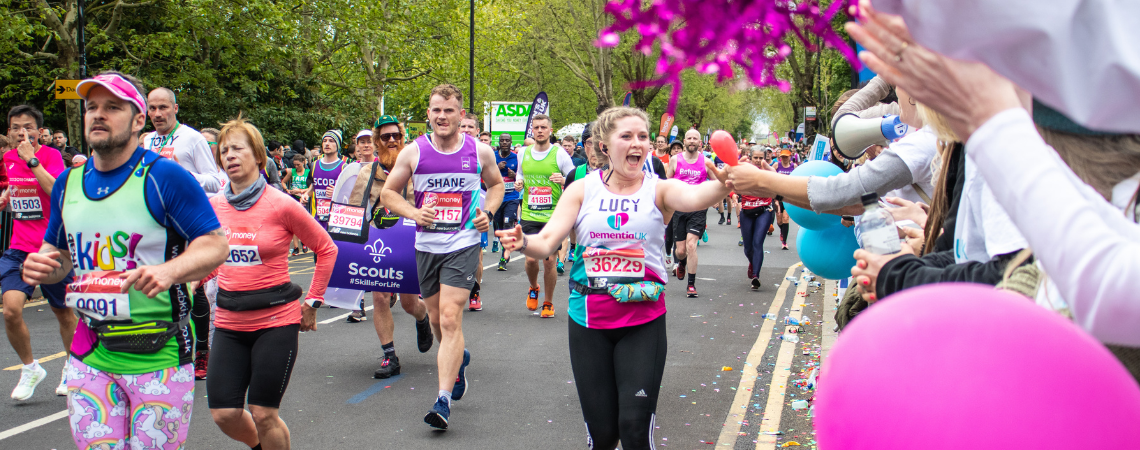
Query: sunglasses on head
(390, 136)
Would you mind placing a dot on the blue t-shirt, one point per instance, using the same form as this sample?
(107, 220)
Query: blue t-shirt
(512, 160)
(181, 208)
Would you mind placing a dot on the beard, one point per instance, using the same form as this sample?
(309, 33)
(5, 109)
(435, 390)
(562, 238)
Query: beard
(692, 148)
(113, 145)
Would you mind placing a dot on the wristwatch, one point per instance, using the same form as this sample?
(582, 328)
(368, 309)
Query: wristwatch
(313, 303)
(490, 216)
(33, 163)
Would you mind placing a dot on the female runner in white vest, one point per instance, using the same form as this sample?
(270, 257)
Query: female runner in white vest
(618, 347)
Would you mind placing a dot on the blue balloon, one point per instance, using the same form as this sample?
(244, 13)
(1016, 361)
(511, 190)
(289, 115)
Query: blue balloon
(828, 253)
(806, 218)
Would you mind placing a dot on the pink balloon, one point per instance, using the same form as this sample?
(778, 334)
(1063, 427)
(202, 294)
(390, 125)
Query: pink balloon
(962, 366)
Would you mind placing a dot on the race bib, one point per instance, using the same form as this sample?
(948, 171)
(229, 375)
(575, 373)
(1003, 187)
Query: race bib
(609, 267)
(25, 203)
(96, 295)
(243, 249)
(754, 203)
(324, 207)
(346, 219)
(448, 211)
(540, 198)
(167, 152)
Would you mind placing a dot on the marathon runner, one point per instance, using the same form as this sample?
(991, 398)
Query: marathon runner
(755, 218)
(362, 152)
(661, 149)
(470, 126)
(32, 169)
(322, 178)
(784, 166)
(691, 167)
(618, 342)
(388, 135)
(296, 183)
(447, 166)
(542, 170)
(130, 379)
(259, 317)
(508, 215)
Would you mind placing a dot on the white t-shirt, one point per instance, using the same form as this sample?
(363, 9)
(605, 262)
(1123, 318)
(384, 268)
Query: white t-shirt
(983, 229)
(189, 149)
(565, 164)
(918, 150)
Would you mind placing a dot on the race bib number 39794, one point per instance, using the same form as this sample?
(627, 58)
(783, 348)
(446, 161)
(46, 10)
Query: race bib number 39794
(96, 295)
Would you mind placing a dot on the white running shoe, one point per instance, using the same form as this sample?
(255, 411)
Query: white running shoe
(29, 379)
(61, 390)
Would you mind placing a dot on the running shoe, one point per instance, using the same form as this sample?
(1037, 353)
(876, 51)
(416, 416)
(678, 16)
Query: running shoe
(424, 338)
(755, 284)
(730, 221)
(61, 390)
(389, 367)
(461, 380)
(29, 379)
(740, 243)
(440, 412)
(295, 252)
(680, 271)
(771, 229)
(356, 316)
(785, 247)
(532, 299)
(495, 247)
(721, 220)
(473, 304)
(691, 291)
(570, 257)
(502, 264)
(547, 311)
(201, 360)
(705, 236)
(561, 267)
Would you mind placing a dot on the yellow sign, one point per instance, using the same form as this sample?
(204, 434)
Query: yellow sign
(416, 129)
(65, 90)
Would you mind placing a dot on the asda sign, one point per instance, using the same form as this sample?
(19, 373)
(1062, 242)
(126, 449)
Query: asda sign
(507, 117)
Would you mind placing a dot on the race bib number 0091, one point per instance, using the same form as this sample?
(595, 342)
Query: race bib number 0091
(96, 295)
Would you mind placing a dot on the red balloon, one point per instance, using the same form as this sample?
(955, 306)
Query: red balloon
(725, 147)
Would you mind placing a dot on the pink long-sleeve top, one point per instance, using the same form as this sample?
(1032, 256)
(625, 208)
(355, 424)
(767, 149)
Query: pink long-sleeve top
(268, 227)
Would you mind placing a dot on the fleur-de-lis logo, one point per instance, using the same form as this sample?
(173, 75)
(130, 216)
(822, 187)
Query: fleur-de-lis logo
(378, 250)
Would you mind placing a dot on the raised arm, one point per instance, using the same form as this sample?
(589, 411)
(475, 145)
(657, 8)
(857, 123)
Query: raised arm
(675, 195)
(545, 243)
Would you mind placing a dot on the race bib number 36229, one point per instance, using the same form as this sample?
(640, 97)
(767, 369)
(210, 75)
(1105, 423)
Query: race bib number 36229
(96, 295)
(605, 267)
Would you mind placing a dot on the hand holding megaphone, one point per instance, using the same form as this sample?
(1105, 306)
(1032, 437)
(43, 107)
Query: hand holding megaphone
(852, 135)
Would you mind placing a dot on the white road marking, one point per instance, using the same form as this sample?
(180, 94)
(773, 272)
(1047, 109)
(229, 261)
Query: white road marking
(774, 409)
(42, 360)
(340, 317)
(736, 413)
(33, 424)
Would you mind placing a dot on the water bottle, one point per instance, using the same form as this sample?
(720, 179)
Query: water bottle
(879, 235)
(770, 316)
(790, 338)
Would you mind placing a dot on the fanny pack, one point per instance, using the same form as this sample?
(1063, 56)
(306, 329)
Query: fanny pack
(146, 337)
(641, 291)
(259, 298)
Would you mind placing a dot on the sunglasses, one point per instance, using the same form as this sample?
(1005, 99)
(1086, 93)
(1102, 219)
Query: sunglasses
(390, 136)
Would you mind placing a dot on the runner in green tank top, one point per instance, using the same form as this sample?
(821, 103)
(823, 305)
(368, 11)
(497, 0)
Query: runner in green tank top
(542, 170)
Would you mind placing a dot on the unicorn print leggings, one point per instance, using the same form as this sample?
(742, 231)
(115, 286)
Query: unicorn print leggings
(112, 411)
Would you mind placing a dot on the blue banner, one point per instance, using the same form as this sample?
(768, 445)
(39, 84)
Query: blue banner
(541, 105)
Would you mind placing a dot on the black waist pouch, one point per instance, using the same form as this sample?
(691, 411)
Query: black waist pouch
(258, 298)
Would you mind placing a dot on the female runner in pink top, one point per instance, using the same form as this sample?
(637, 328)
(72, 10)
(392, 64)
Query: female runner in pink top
(258, 316)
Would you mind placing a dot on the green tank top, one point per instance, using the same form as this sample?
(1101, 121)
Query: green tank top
(109, 236)
(539, 195)
(300, 179)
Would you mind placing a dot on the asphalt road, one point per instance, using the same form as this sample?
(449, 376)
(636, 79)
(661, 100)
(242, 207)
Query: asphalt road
(522, 393)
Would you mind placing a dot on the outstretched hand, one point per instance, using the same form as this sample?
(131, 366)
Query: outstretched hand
(511, 239)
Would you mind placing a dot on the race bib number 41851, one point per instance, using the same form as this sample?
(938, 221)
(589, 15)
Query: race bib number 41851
(540, 198)
(96, 295)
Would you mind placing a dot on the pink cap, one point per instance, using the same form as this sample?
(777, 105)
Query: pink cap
(117, 85)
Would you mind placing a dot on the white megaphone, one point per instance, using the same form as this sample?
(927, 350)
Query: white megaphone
(853, 135)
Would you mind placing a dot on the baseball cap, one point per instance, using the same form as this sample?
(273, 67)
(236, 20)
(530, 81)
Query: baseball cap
(385, 120)
(118, 86)
(363, 133)
(785, 152)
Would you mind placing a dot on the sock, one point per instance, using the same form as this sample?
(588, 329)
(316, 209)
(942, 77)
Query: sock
(35, 363)
(389, 348)
(423, 322)
(721, 214)
(445, 394)
(784, 233)
(730, 215)
(257, 447)
(692, 279)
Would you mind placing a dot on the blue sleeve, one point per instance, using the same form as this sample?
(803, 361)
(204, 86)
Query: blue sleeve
(55, 234)
(183, 208)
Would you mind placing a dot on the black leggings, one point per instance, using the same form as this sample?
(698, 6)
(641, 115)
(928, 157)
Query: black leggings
(753, 229)
(259, 362)
(200, 314)
(618, 375)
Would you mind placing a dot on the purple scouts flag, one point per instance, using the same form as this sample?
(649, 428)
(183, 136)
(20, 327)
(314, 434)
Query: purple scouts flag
(385, 262)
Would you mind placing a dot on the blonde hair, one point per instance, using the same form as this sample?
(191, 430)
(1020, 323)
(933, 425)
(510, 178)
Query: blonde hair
(607, 120)
(257, 144)
(940, 201)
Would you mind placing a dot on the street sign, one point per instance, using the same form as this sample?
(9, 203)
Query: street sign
(809, 112)
(511, 118)
(65, 90)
